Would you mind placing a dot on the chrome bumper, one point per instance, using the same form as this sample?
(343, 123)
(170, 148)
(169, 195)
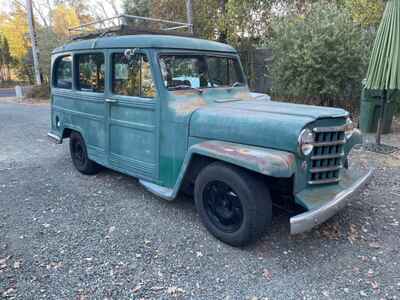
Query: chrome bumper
(54, 138)
(305, 221)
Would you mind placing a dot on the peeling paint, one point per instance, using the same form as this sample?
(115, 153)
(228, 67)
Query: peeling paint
(187, 106)
(243, 95)
(265, 161)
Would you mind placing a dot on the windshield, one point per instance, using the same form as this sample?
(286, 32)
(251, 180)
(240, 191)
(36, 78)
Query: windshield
(200, 71)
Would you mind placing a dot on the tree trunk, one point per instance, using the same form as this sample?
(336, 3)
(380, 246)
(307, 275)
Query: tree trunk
(8, 72)
(189, 13)
(35, 54)
(223, 32)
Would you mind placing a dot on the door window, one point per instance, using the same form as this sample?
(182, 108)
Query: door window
(132, 77)
(91, 70)
(63, 72)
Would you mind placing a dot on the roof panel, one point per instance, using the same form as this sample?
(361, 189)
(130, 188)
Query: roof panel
(146, 41)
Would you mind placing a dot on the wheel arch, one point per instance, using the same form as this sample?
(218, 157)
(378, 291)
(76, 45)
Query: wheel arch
(68, 129)
(268, 162)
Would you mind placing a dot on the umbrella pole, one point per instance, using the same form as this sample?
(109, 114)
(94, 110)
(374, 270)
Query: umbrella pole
(382, 115)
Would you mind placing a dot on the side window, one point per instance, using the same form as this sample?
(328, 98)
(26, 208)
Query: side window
(91, 70)
(63, 72)
(132, 78)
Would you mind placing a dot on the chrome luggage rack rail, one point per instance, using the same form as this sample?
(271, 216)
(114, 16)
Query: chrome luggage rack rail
(124, 24)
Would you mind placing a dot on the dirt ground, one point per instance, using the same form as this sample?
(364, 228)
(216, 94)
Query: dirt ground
(64, 235)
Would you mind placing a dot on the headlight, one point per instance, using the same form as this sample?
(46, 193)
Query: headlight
(306, 142)
(349, 128)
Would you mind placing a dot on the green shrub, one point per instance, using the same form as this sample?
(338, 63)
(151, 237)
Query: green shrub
(321, 56)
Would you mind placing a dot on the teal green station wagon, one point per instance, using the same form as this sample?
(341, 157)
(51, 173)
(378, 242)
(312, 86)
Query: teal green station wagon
(176, 113)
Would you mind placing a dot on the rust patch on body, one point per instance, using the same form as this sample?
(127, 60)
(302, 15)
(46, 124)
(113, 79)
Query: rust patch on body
(187, 92)
(243, 96)
(183, 107)
(264, 161)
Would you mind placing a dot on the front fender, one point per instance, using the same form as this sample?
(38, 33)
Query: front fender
(269, 162)
(261, 160)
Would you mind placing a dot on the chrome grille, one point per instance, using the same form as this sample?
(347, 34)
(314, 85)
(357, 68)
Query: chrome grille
(327, 156)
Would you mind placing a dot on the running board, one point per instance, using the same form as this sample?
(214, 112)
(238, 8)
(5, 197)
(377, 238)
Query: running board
(160, 191)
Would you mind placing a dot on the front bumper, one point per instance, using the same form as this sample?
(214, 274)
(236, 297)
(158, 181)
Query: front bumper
(325, 201)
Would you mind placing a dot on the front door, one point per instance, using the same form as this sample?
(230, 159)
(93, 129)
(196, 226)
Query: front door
(132, 116)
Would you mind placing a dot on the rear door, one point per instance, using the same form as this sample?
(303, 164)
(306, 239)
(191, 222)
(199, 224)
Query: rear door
(132, 134)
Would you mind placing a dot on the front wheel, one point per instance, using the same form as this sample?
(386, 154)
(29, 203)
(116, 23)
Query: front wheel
(80, 159)
(234, 205)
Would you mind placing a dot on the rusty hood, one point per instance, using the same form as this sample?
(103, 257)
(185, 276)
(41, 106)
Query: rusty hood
(268, 124)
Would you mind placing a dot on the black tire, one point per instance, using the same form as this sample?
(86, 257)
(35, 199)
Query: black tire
(79, 156)
(243, 212)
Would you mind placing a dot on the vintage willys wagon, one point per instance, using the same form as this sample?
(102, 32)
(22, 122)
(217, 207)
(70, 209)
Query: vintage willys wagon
(176, 113)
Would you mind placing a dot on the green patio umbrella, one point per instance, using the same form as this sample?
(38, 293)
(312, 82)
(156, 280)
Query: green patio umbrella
(384, 67)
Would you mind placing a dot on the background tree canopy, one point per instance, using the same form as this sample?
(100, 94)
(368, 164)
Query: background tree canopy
(320, 48)
(321, 54)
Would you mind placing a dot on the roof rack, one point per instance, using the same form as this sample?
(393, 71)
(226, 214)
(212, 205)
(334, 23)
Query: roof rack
(127, 25)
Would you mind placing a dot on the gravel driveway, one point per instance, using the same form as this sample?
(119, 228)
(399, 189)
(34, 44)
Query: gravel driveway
(64, 235)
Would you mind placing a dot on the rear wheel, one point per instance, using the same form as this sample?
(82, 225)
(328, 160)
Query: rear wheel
(79, 155)
(234, 205)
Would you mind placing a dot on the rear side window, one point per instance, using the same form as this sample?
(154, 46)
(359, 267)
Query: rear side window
(91, 70)
(63, 72)
(132, 78)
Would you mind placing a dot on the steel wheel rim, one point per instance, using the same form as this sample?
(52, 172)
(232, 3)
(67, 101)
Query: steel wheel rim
(79, 156)
(223, 206)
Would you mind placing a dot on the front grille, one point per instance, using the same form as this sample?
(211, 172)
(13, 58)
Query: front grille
(327, 156)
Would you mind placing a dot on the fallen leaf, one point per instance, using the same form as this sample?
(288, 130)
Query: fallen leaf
(375, 245)
(137, 288)
(267, 274)
(54, 265)
(353, 233)
(4, 260)
(330, 231)
(17, 264)
(8, 292)
(82, 297)
(370, 273)
(174, 291)
(363, 294)
(375, 285)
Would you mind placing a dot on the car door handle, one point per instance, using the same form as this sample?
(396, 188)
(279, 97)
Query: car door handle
(111, 100)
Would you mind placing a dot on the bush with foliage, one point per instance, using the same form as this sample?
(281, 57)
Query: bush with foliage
(322, 55)
(39, 92)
